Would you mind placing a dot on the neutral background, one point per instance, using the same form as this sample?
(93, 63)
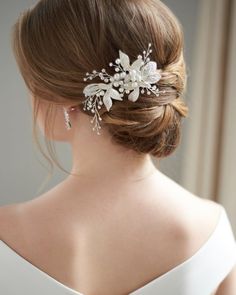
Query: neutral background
(205, 161)
(21, 173)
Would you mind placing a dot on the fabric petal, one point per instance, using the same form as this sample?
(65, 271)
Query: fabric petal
(133, 96)
(144, 84)
(153, 78)
(115, 94)
(124, 60)
(149, 68)
(104, 86)
(136, 65)
(107, 100)
(91, 89)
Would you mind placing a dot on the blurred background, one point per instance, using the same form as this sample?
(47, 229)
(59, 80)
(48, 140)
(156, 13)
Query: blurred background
(204, 163)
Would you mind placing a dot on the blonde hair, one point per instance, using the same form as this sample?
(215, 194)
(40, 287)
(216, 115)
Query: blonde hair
(57, 42)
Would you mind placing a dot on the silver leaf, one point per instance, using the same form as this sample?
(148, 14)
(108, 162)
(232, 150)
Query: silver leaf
(133, 96)
(124, 60)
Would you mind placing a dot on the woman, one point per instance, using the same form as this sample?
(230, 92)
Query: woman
(108, 78)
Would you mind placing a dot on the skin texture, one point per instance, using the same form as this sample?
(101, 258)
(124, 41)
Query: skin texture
(131, 225)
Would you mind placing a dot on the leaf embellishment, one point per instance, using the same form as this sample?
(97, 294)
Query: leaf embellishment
(107, 101)
(133, 96)
(150, 74)
(92, 89)
(124, 60)
(136, 65)
(107, 98)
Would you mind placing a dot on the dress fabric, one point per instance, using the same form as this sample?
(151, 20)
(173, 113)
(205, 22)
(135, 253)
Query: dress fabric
(200, 274)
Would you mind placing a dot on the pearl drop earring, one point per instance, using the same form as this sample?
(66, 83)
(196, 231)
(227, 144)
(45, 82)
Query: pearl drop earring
(67, 119)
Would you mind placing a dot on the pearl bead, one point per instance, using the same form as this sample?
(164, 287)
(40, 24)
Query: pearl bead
(116, 76)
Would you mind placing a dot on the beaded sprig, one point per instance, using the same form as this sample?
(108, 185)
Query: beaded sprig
(128, 79)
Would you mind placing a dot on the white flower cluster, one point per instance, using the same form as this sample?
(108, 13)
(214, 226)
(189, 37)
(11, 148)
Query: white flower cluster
(129, 79)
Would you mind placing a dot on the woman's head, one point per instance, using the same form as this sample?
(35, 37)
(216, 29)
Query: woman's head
(57, 42)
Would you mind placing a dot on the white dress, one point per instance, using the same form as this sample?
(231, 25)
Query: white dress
(200, 274)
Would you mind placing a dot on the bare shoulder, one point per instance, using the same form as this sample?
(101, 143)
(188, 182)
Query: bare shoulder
(197, 218)
(10, 220)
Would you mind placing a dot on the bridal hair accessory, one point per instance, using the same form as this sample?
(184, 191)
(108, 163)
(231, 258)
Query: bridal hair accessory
(128, 79)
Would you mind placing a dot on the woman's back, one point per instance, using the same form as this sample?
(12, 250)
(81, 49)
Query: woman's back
(100, 243)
